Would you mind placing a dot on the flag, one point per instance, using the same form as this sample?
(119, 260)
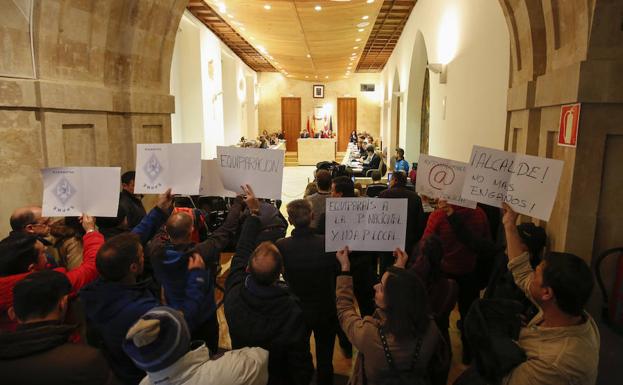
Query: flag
(313, 127)
(308, 131)
(331, 124)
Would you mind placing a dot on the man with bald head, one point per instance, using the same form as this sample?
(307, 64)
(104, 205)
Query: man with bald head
(169, 255)
(29, 220)
(260, 309)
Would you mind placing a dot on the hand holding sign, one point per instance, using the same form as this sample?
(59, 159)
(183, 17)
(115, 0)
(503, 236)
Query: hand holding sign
(88, 222)
(342, 258)
(165, 201)
(401, 258)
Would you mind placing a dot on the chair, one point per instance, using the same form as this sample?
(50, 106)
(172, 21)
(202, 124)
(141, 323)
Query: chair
(382, 166)
(374, 190)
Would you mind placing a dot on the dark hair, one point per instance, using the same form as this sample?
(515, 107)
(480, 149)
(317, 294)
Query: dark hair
(17, 252)
(571, 280)
(128, 177)
(38, 294)
(344, 185)
(267, 274)
(116, 255)
(370, 148)
(67, 228)
(400, 152)
(323, 180)
(22, 219)
(299, 212)
(376, 175)
(399, 178)
(405, 304)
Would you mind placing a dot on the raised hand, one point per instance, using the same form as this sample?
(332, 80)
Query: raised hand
(342, 258)
(252, 203)
(88, 222)
(401, 258)
(510, 216)
(196, 262)
(165, 201)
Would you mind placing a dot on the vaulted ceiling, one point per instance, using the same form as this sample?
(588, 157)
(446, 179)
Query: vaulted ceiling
(308, 39)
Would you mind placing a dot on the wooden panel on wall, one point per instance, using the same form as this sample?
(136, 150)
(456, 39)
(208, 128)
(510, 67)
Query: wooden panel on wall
(291, 121)
(346, 121)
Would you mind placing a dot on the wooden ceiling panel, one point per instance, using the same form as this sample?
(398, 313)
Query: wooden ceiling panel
(294, 38)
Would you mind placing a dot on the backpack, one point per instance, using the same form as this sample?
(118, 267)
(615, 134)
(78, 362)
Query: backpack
(395, 376)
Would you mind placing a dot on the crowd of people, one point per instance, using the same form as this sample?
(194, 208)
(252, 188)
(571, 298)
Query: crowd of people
(131, 299)
(263, 141)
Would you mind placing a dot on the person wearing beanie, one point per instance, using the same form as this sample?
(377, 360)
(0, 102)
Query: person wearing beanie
(159, 343)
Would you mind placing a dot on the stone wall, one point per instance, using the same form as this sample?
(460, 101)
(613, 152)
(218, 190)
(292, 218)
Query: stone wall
(81, 82)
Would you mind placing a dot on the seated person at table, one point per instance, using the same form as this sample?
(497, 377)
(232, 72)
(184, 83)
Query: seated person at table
(401, 163)
(304, 134)
(375, 188)
(375, 160)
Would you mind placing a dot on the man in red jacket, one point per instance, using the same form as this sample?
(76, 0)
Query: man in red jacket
(459, 262)
(22, 253)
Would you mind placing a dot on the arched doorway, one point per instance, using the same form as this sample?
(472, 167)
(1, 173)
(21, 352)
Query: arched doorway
(396, 100)
(418, 102)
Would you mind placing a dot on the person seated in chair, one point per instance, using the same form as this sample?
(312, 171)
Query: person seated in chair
(375, 160)
(375, 188)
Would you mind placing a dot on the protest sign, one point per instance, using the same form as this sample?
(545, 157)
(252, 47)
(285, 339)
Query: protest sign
(442, 178)
(211, 184)
(527, 183)
(260, 168)
(370, 224)
(73, 191)
(162, 166)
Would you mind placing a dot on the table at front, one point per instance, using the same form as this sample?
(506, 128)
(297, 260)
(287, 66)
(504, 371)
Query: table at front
(313, 150)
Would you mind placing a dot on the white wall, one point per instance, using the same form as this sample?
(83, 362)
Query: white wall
(211, 105)
(477, 78)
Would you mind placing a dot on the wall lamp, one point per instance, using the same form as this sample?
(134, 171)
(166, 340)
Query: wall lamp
(441, 69)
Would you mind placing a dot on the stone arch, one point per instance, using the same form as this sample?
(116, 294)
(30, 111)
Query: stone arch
(414, 94)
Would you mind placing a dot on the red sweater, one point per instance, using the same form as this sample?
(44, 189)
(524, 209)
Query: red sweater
(457, 259)
(79, 277)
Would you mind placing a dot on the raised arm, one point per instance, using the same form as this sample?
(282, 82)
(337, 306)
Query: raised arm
(221, 236)
(156, 217)
(92, 241)
(518, 256)
(197, 287)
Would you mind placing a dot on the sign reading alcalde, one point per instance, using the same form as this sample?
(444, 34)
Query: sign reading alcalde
(371, 224)
(527, 183)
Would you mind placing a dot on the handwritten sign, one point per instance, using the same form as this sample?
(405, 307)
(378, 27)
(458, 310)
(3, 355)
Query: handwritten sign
(73, 191)
(370, 224)
(442, 178)
(211, 183)
(260, 168)
(527, 183)
(162, 166)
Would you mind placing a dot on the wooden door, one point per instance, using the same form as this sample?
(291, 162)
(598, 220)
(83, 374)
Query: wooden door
(346, 121)
(291, 121)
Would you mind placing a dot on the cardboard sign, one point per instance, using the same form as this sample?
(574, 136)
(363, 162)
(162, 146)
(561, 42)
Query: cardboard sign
(442, 178)
(371, 224)
(568, 127)
(260, 168)
(73, 191)
(211, 183)
(527, 183)
(162, 166)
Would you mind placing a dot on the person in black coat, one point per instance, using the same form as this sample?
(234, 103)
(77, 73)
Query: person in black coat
(310, 273)
(375, 160)
(129, 203)
(261, 311)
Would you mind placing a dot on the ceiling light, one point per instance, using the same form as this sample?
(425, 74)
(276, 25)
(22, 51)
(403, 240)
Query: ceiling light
(358, 39)
(360, 30)
(370, 1)
(352, 58)
(230, 15)
(326, 77)
(222, 7)
(365, 17)
(363, 24)
(308, 55)
(353, 54)
(318, 8)
(355, 47)
(267, 7)
(243, 29)
(262, 49)
(306, 77)
(316, 77)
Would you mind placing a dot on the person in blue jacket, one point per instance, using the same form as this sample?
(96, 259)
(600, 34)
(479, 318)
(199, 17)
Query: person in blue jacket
(115, 301)
(401, 163)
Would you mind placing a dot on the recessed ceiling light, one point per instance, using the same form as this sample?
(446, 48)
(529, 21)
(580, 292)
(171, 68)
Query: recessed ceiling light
(358, 39)
(243, 29)
(316, 77)
(230, 15)
(363, 24)
(352, 58)
(370, 1)
(355, 47)
(353, 54)
(306, 77)
(365, 17)
(360, 30)
(308, 55)
(326, 77)
(222, 8)
(267, 7)
(318, 8)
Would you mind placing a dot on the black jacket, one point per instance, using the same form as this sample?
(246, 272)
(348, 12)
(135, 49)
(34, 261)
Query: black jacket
(415, 215)
(374, 163)
(310, 271)
(133, 207)
(40, 353)
(267, 317)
